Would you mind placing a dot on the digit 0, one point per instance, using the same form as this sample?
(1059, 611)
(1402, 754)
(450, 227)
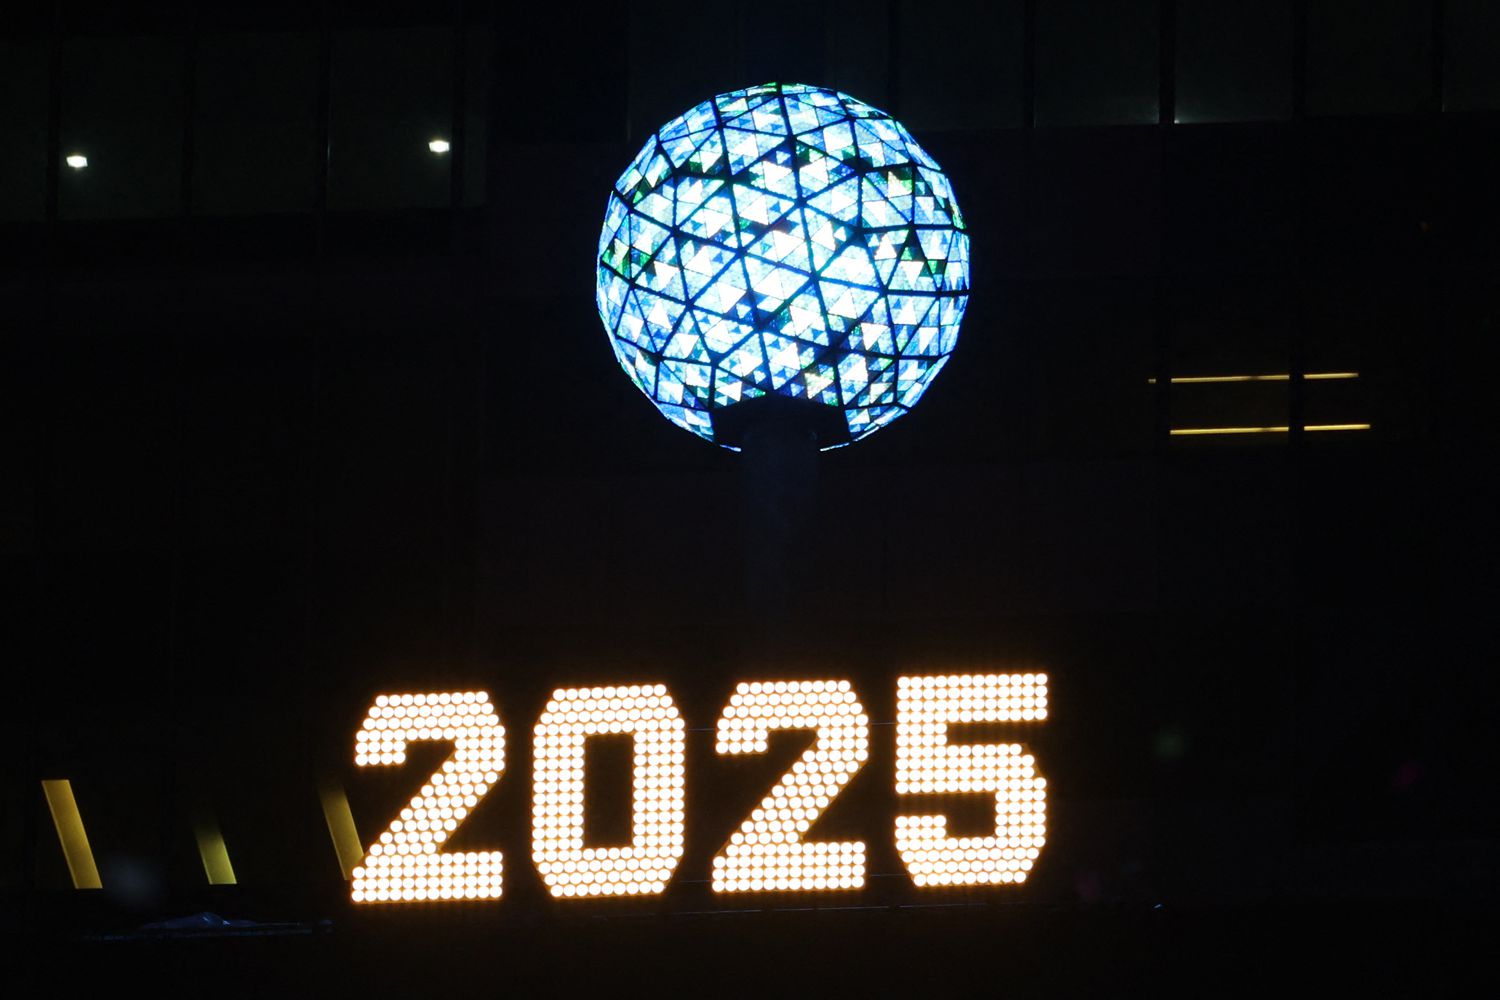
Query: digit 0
(569, 868)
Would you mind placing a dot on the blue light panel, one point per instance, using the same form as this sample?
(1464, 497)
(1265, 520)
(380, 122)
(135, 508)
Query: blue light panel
(783, 239)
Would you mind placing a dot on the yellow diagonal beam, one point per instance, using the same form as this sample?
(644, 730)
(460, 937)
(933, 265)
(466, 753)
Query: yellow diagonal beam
(71, 834)
(340, 819)
(213, 851)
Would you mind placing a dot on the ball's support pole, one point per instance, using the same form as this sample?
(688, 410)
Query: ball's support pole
(780, 500)
(780, 438)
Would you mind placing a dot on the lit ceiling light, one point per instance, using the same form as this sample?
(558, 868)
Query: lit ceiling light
(1308, 376)
(439, 146)
(1189, 431)
(76, 160)
(783, 240)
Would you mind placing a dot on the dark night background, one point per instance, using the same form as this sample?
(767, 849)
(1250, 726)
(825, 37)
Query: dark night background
(294, 411)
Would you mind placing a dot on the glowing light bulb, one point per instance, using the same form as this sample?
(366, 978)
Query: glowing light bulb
(439, 146)
(76, 160)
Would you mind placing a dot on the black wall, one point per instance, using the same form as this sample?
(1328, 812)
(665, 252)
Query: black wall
(260, 465)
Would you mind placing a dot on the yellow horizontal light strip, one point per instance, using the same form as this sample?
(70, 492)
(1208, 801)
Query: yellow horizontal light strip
(1183, 431)
(341, 828)
(70, 833)
(212, 850)
(1284, 377)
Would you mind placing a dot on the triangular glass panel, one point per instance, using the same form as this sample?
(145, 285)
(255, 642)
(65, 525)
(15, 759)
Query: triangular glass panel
(747, 360)
(686, 344)
(612, 291)
(804, 319)
(695, 378)
(935, 243)
(657, 206)
(909, 309)
(838, 141)
(708, 158)
(927, 212)
(730, 105)
(801, 115)
(849, 301)
(760, 206)
(701, 263)
(776, 178)
(875, 211)
(725, 292)
(680, 149)
(784, 358)
(729, 390)
(646, 235)
(663, 275)
(841, 201)
(691, 193)
(669, 387)
(784, 243)
(824, 236)
(769, 119)
(947, 338)
(912, 276)
(712, 220)
(615, 215)
(772, 282)
(853, 376)
(851, 265)
(720, 335)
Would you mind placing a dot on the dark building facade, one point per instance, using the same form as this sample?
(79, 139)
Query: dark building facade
(306, 399)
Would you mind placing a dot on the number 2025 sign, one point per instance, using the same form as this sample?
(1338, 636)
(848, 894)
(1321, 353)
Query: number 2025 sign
(769, 851)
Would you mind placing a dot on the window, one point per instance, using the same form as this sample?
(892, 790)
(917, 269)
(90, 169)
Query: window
(1471, 72)
(778, 42)
(582, 63)
(1096, 62)
(959, 64)
(1368, 56)
(255, 126)
(391, 118)
(478, 45)
(857, 51)
(123, 109)
(23, 129)
(675, 61)
(1234, 60)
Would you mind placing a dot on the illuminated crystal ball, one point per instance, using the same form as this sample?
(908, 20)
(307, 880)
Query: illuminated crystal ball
(783, 239)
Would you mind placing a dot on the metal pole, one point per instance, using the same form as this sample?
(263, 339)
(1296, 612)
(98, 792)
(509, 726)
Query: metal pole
(780, 438)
